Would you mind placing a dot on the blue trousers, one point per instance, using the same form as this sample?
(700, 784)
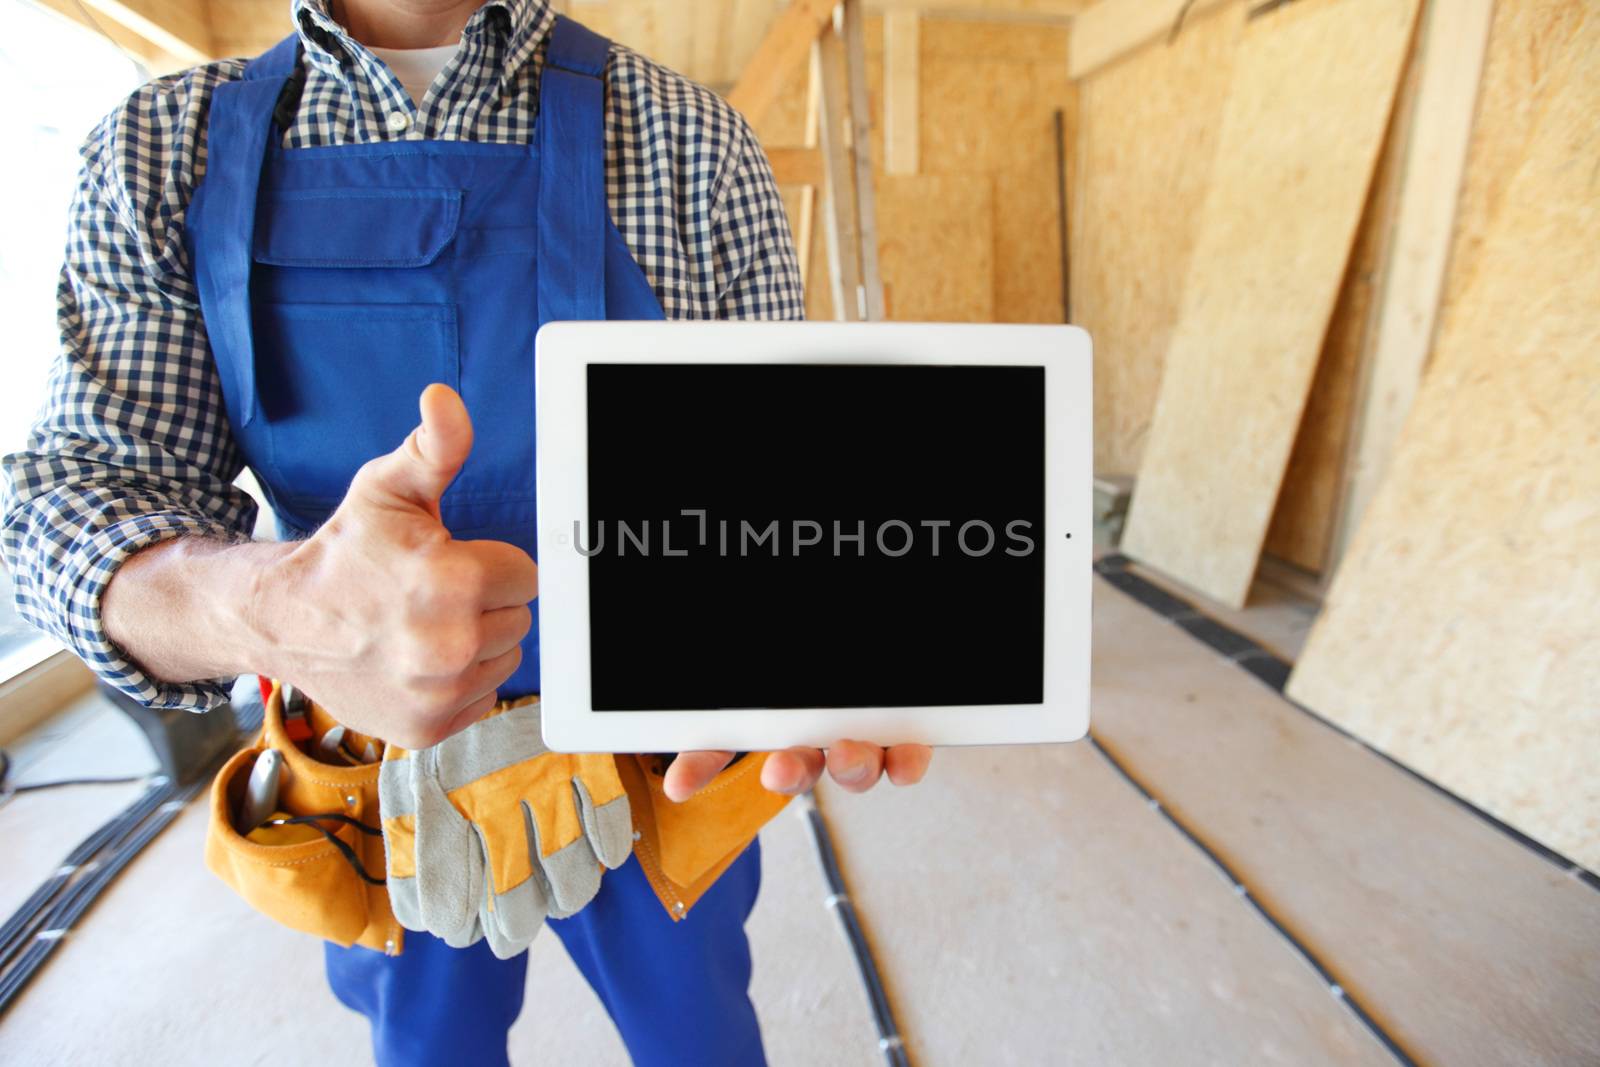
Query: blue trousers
(678, 992)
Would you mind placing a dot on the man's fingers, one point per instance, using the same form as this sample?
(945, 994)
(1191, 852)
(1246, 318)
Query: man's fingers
(792, 771)
(484, 679)
(907, 764)
(692, 772)
(480, 693)
(510, 577)
(470, 714)
(504, 629)
(855, 766)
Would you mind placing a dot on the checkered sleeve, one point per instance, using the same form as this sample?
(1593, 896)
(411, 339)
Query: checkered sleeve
(132, 446)
(758, 275)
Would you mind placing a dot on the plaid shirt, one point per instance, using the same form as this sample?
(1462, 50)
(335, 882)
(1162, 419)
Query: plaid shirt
(133, 446)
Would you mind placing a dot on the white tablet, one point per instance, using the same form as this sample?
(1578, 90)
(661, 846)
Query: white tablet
(755, 535)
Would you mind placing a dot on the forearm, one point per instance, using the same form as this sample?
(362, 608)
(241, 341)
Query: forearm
(190, 609)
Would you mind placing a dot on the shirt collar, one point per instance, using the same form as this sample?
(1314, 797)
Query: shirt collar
(515, 21)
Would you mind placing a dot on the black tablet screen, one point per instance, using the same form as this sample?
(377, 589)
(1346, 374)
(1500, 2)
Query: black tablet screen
(784, 535)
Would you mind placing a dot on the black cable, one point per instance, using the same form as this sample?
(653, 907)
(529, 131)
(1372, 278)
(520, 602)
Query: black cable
(349, 854)
(29, 787)
(166, 803)
(27, 919)
(890, 1042)
(1273, 672)
(1337, 989)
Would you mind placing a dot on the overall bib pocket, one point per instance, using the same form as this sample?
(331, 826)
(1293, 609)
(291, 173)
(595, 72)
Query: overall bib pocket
(352, 318)
(321, 429)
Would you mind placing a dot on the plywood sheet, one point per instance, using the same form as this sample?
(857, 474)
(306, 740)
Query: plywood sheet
(1526, 42)
(936, 240)
(1452, 40)
(1310, 99)
(1146, 135)
(1302, 529)
(1461, 632)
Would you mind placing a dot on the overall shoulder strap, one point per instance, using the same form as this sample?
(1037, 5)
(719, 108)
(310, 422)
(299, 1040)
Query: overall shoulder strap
(572, 180)
(238, 131)
(276, 62)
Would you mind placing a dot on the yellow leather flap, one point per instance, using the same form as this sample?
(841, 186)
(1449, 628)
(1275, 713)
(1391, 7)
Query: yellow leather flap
(716, 823)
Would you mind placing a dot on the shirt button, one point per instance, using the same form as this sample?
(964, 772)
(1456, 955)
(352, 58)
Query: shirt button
(398, 121)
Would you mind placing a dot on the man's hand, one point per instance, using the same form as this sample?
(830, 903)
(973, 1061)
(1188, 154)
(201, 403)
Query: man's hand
(399, 630)
(856, 766)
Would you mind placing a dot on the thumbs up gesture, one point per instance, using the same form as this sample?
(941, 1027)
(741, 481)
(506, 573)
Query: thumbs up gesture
(401, 631)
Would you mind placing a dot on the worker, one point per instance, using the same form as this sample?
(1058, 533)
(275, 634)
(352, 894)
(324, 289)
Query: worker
(254, 278)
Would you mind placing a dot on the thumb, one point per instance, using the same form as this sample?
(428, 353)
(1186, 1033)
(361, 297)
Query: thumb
(422, 468)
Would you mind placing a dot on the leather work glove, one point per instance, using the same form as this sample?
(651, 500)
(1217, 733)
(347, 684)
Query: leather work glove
(488, 832)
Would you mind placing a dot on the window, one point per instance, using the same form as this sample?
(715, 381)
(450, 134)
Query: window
(58, 79)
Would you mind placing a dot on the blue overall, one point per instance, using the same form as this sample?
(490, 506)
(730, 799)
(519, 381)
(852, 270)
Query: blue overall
(336, 283)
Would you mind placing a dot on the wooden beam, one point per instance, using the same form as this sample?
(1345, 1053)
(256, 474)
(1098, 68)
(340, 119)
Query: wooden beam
(180, 27)
(247, 27)
(902, 48)
(1113, 28)
(786, 44)
(748, 22)
(796, 166)
(709, 47)
(854, 30)
(810, 194)
(1455, 38)
(839, 200)
(155, 60)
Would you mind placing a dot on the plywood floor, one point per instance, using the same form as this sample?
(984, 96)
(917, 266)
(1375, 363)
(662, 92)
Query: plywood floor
(1027, 906)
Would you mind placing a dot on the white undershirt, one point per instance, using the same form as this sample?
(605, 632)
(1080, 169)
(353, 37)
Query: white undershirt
(417, 67)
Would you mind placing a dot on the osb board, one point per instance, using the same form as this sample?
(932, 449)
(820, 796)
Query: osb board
(1027, 240)
(966, 38)
(988, 97)
(1302, 529)
(1312, 91)
(936, 240)
(989, 93)
(1147, 129)
(1460, 633)
(1526, 39)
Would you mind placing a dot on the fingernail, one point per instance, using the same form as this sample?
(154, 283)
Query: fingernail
(852, 774)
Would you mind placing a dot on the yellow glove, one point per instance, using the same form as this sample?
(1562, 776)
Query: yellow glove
(488, 832)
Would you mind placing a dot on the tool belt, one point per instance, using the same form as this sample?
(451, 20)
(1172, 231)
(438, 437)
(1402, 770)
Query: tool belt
(323, 877)
(683, 847)
(319, 865)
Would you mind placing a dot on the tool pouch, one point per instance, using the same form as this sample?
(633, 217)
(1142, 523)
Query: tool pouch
(683, 848)
(309, 884)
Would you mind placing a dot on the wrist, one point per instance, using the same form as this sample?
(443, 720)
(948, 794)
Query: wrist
(265, 608)
(174, 608)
